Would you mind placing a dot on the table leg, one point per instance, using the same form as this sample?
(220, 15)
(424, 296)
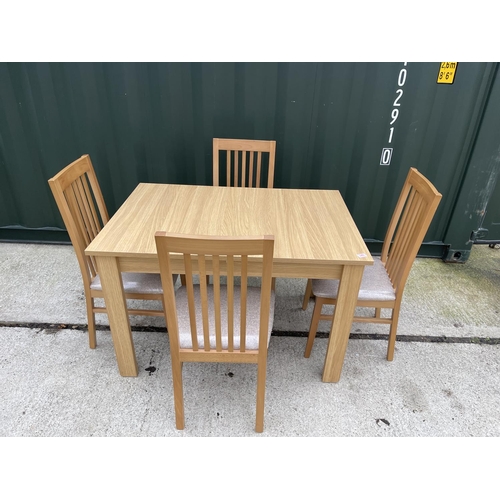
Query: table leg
(116, 305)
(342, 322)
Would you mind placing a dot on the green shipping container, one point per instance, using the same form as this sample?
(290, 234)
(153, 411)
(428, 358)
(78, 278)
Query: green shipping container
(355, 127)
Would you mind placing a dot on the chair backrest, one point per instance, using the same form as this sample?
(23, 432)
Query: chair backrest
(410, 221)
(217, 256)
(81, 204)
(244, 161)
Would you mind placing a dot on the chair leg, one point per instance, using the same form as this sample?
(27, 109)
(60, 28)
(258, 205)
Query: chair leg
(308, 294)
(273, 284)
(261, 394)
(318, 306)
(392, 334)
(178, 393)
(91, 321)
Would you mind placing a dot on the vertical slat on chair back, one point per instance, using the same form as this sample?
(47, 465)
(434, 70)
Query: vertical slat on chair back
(244, 162)
(412, 217)
(243, 169)
(82, 208)
(216, 256)
(81, 204)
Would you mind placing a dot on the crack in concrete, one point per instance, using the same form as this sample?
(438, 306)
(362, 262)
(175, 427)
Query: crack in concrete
(54, 327)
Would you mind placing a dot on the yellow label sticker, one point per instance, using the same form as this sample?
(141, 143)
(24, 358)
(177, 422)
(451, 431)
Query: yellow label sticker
(447, 72)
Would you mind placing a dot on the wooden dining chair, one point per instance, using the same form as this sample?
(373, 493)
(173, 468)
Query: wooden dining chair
(383, 283)
(244, 162)
(81, 204)
(218, 323)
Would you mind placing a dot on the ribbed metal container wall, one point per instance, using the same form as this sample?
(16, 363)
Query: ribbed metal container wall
(154, 122)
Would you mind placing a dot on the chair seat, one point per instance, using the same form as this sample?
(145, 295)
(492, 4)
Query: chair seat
(136, 283)
(375, 285)
(253, 317)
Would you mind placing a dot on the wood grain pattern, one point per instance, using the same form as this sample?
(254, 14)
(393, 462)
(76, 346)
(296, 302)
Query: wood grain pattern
(291, 215)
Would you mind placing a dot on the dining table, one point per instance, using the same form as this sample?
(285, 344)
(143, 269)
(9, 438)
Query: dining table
(315, 236)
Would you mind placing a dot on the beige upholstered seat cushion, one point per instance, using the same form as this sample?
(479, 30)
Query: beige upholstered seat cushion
(252, 323)
(375, 285)
(137, 283)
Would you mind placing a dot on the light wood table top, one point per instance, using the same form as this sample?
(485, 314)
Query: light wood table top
(314, 237)
(312, 228)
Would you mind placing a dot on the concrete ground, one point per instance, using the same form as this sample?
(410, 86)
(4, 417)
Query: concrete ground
(444, 380)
